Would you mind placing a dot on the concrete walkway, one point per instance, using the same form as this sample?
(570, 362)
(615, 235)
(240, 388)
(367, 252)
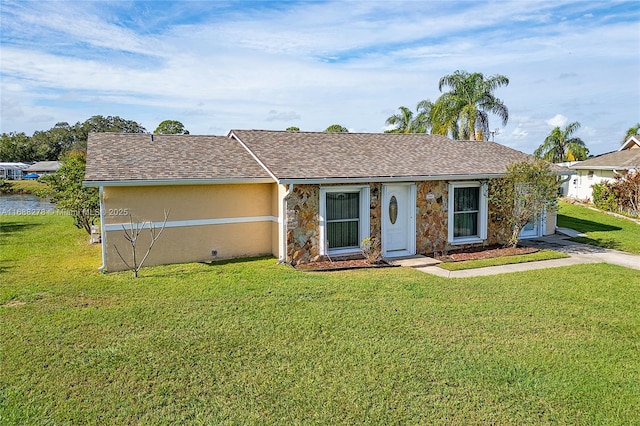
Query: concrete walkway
(579, 254)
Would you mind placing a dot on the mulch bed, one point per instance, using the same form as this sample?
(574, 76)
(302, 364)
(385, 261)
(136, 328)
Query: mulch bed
(484, 253)
(474, 253)
(340, 265)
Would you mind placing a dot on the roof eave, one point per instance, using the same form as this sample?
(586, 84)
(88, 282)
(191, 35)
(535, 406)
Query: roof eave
(173, 182)
(384, 179)
(587, 167)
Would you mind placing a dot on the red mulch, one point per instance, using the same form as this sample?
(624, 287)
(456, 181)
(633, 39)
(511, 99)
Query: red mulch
(337, 265)
(484, 253)
(457, 256)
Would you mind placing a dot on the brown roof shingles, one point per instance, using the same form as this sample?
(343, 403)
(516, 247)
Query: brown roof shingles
(625, 159)
(136, 157)
(114, 157)
(306, 155)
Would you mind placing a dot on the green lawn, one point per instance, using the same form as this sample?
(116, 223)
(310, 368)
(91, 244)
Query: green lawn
(602, 229)
(252, 342)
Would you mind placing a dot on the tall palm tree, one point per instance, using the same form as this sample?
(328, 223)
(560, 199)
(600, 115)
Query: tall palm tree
(405, 122)
(463, 111)
(633, 131)
(559, 146)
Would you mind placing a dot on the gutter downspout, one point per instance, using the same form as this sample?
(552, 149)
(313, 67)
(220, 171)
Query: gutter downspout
(283, 245)
(103, 234)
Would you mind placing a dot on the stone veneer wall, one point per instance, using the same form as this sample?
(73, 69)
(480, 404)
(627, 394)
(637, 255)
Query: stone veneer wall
(303, 227)
(431, 216)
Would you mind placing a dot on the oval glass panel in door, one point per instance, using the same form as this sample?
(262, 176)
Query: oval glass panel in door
(393, 209)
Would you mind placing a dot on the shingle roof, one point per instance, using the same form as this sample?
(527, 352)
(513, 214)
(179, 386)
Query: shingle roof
(44, 166)
(626, 159)
(306, 155)
(136, 157)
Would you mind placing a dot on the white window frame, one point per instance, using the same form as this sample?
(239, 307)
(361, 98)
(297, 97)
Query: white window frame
(363, 228)
(483, 216)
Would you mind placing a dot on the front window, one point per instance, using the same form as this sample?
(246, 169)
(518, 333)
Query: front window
(467, 212)
(344, 218)
(466, 205)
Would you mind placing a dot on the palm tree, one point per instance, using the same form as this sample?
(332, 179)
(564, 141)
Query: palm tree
(463, 111)
(633, 131)
(404, 121)
(559, 146)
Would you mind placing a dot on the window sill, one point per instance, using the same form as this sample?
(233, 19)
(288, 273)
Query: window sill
(344, 251)
(461, 241)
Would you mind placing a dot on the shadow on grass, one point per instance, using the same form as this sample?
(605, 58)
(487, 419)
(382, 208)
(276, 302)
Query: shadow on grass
(582, 225)
(13, 227)
(609, 243)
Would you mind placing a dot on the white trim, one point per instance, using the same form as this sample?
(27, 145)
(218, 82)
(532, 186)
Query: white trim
(172, 182)
(255, 157)
(384, 179)
(411, 225)
(364, 227)
(483, 213)
(103, 231)
(195, 222)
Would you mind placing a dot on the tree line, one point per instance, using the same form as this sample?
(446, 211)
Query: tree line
(63, 138)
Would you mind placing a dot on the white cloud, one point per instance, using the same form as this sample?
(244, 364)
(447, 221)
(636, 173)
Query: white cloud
(558, 120)
(519, 133)
(282, 115)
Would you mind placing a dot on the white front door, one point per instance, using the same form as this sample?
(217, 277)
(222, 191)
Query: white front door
(398, 220)
(533, 229)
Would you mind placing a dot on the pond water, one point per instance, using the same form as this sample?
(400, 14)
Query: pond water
(24, 204)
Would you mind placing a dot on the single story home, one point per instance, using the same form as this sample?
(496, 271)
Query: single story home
(602, 168)
(44, 167)
(296, 195)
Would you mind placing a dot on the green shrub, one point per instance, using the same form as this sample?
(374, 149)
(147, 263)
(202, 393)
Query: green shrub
(604, 197)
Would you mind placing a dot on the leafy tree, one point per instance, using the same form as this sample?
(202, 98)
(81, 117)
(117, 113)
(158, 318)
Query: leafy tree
(463, 111)
(171, 127)
(522, 195)
(16, 147)
(293, 129)
(559, 146)
(59, 140)
(336, 128)
(68, 193)
(405, 122)
(98, 123)
(633, 131)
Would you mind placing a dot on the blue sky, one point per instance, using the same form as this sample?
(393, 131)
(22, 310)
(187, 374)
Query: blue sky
(217, 65)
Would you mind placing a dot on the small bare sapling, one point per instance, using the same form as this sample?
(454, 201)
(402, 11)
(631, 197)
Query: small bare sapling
(131, 234)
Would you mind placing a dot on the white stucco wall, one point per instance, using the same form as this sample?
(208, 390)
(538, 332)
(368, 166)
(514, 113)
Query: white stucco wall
(580, 186)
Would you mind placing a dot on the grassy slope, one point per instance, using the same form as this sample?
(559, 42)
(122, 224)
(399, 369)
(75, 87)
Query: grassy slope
(254, 342)
(26, 186)
(602, 229)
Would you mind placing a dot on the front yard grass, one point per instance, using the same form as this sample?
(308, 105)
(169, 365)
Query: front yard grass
(503, 260)
(603, 230)
(252, 342)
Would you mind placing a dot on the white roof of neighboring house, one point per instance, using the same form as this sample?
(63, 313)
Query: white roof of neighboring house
(21, 166)
(44, 166)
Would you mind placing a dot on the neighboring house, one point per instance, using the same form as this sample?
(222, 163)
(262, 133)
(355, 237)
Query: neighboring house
(12, 171)
(44, 167)
(603, 168)
(296, 195)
